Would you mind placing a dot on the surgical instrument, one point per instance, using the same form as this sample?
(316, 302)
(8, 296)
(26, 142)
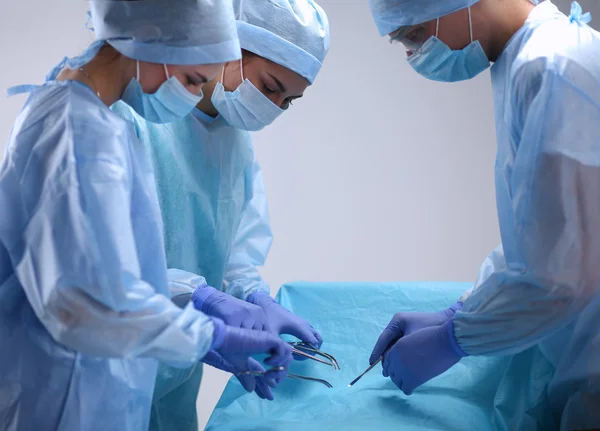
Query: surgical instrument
(290, 375)
(366, 371)
(305, 350)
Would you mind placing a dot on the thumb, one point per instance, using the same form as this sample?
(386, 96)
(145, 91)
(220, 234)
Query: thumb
(388, 337)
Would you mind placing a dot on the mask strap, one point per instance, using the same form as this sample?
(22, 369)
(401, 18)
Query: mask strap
(470, 25)
(137, 65)
(167, 71)
(242, 69)
(437, 27)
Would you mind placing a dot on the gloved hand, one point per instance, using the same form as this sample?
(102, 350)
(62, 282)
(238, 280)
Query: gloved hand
(262, 384)
(421, 356)
(236, 345)
(403, 324)
(282, 321)
(232, 311)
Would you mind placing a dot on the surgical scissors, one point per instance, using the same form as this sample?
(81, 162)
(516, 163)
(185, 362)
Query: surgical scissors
(301, 349)
(290, 375)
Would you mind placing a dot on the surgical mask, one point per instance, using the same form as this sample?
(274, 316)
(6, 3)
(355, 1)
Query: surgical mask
(171, 102)
(436, 61)
(246, 108)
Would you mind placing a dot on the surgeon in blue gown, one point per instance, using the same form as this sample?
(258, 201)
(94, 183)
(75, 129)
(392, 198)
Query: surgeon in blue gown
(85, 312)
(211, 187)
(541, 286)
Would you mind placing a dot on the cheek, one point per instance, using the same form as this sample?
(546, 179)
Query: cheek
(151, 77)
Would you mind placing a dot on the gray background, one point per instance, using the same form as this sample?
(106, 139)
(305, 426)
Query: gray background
(377, 174)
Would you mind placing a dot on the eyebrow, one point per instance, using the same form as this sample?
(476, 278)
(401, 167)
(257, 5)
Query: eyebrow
(280, 86)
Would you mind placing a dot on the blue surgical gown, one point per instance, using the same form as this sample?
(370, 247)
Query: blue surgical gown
(542, 285)
(215, 213)
(84, 307)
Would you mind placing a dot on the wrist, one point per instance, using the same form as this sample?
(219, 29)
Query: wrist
(447, 330)
(201, 295)
(218, 333)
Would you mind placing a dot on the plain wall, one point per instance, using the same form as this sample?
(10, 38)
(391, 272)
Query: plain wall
(377, 174)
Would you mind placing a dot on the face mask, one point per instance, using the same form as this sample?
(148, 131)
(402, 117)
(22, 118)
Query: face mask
(436, 61)
(171, 102)
(245, 108)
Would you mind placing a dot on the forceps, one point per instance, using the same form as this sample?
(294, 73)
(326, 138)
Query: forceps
(301, 349)
(290, 375)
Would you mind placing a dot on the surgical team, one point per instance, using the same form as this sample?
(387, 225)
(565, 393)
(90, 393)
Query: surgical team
(133, 214)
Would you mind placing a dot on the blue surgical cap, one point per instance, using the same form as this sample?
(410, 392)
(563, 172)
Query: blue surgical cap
(182, 32)
(291, 33)
(390, 15)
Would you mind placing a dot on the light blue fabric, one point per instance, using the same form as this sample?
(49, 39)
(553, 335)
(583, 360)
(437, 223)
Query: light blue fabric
(542, 286)
(246, 108)
(170, 32)
(171, 102)
(390, 15)
(291, 33)
(500, 394)
(84, 306)
(435, 60)
(211, 194)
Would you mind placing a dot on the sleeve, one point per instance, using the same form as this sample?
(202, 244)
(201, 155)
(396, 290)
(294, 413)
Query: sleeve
(252, 244)
(552, 273)
(491, 264)
(79, 266)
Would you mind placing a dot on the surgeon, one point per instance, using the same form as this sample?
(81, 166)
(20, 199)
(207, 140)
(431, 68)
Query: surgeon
(542, 285)
(85, 312)
(210, 185)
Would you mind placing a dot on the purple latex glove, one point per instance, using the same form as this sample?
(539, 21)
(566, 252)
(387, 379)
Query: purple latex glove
(403, 324)
(262, 384)
(282, 321)
(421, 356)
(236, 345)
(232, 311)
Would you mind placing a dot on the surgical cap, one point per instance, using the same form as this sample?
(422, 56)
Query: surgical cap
(390, 15)
(182, 32)
(291, 33)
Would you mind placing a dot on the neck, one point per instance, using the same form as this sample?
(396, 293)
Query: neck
(206, 104)
(509, 17)
(107, 74)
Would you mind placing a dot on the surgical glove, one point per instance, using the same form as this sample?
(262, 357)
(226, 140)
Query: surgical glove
(403, 324)
(282, 321)
(232, 311)
(262, 384)
(236, 345)
(421, 356)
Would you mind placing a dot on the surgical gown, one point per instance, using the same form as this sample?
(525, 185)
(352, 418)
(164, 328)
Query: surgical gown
(215, 214)
(84, 312)
(542, 285)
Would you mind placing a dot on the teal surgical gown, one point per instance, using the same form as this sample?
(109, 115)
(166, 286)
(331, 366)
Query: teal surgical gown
(84, 306)
(542, 285)
(214, 209)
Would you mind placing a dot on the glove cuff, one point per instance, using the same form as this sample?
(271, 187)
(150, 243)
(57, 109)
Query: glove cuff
(218, 333)
(448, 332)
(201, 294)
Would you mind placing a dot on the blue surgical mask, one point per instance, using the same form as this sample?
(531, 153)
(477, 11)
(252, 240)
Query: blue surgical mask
(436, 61)
(246, 108)
(171, 102)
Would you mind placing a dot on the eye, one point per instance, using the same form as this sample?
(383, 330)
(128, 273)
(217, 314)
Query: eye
(191, 82)
(268, 90)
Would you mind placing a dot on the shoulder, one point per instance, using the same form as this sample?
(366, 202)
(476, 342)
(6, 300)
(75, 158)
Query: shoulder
(559, 52)
(66, 125)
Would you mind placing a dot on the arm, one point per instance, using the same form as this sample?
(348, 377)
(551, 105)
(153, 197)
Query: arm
(551, 275)
(80, 271)
(252, 244)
